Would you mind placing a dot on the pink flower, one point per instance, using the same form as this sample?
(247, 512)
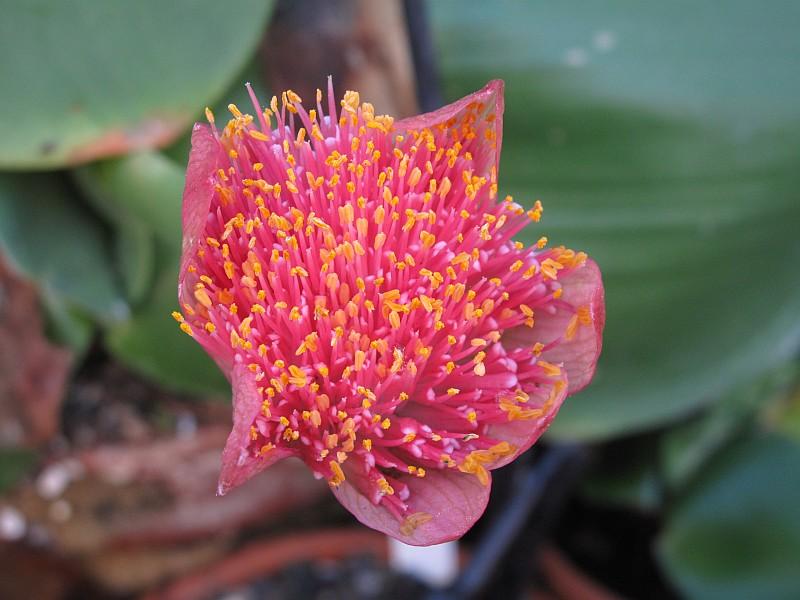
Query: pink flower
(356, 280)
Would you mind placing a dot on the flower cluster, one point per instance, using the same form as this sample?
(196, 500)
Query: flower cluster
(357, 281)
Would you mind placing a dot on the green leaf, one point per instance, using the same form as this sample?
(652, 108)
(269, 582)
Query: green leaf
(687, 448)
(146, 187)
(135, 251)
(134, 241)
(152, 344)
(14, 464)
(142, 193)
(670, 156)
(49, 236)
(785, 415)
(737, 533)
(87, 79)
(67, 325)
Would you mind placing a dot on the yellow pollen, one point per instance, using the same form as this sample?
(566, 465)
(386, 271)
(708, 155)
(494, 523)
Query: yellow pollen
(298, 376)
(384, 487)
(202, 297)
(257, 135)
(550, 268)
(584, 315)
(572, 328)
(549, 369)
(413, 521)
(338, 475)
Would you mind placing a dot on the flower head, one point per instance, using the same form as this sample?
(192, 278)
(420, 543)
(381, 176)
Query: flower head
(357, 281)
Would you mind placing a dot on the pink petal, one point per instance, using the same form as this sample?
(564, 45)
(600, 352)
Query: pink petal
(523, 433)
(454, 500)
(237, 463)
(204, 160)
(491, 95)
(582, 287)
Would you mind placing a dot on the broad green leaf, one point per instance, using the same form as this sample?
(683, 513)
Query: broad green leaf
(67, 325)
(87, 79)
(146, 187)
(151, 343)
(14, 464)
(785, 416)
(133, 240)
(49, 236)
(736, 534)
(134, 245)
(141, 193)
(669, 154)
(687, 448)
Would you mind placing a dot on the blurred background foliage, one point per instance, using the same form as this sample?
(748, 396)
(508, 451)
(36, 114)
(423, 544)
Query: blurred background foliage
(663, 139)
